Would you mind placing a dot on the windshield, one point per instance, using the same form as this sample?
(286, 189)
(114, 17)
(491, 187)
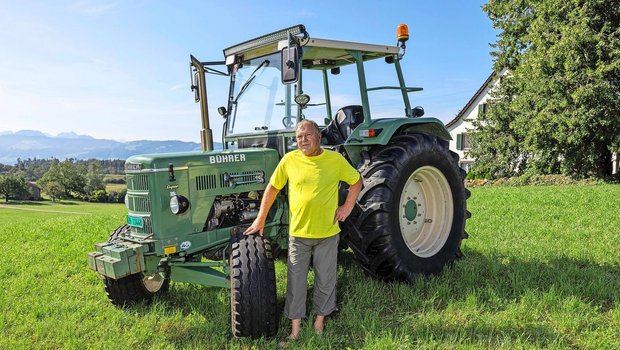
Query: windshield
(261, 102)
(258, 97)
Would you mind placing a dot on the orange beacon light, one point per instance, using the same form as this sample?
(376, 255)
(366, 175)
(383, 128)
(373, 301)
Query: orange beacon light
(402, 33)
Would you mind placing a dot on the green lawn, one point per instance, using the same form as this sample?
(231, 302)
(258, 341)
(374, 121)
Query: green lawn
(115, 187)
(541, 270)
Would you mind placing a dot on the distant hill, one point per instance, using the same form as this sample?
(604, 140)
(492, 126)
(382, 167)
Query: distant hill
(26, 144)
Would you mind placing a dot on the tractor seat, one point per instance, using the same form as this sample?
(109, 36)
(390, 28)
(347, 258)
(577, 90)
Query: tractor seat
(340, 128)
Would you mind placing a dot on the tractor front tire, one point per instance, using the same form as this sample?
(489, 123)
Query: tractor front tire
(411, 213)
(253, 299)
(135, 288)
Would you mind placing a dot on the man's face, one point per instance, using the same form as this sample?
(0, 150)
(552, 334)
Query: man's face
(308, 140)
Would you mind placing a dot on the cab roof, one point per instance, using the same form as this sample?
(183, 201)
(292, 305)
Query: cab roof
(317, 53)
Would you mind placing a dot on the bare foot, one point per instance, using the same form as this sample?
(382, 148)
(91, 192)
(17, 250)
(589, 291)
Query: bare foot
(319, 324)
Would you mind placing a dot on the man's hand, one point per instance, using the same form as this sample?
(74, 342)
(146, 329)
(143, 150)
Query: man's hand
(257, 226)
(259, 223)
(342, 213)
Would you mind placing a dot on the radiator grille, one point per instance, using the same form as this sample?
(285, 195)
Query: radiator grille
(140, 204)
(138, 182)
(205, 182)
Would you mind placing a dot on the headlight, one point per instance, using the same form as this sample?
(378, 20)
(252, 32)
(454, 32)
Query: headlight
(178, 204)
(127, 201)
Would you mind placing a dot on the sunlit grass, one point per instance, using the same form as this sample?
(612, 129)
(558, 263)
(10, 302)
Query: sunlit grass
(541, 270)
(115, 187)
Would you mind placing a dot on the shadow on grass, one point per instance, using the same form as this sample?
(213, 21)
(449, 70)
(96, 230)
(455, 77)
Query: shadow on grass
(498, 285)
(16, 202)
(41, 202)
(67, 203)
(511, 278)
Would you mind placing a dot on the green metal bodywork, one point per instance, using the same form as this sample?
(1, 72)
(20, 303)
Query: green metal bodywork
(388, 127)
(177, 241)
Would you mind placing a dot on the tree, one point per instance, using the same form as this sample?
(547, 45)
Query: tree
(74, 178)
(94, 179)
(557, 111)
(12, 185)
(69, 177)
(53, 189)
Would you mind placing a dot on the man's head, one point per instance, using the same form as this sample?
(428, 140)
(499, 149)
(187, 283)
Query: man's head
(308, 138)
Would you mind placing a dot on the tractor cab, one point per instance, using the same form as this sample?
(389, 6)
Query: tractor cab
(278, 79)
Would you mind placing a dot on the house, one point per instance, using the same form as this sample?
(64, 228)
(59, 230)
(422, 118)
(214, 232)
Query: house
(34, 192)
(461, 126)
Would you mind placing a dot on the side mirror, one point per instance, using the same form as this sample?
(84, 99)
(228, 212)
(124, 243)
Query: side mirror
(418, 111)
(195, 87)
(290, 65)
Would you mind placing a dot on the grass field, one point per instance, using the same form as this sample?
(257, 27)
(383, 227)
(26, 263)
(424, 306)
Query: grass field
(115, 187)
(541, 270)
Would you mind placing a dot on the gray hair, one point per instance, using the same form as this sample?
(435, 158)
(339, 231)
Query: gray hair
(308, 121)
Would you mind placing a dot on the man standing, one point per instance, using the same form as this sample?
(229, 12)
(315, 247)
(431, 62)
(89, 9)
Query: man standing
(313, 175)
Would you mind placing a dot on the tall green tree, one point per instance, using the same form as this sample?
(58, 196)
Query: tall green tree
(70, 178)
(94, 179)
(558, 110)
(53, 189)
(12, 185)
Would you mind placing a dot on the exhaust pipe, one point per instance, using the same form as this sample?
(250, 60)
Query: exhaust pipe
(199, 84)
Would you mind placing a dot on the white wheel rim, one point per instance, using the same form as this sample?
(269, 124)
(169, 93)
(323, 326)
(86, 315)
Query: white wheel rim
(153, 283)
(426, 211)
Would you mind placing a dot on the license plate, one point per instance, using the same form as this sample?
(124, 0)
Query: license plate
(135, 221)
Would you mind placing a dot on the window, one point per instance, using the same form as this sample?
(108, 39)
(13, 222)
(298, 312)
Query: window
(462, 141)
(482, 108)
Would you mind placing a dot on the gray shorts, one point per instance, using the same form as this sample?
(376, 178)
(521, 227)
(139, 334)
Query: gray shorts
(325, 252)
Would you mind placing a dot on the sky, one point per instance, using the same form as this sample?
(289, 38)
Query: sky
(120, 69)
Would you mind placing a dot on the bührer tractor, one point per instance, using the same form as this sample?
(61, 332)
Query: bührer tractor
(187, 211)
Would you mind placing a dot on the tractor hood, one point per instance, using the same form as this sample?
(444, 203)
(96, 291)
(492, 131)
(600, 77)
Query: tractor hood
(182, 160)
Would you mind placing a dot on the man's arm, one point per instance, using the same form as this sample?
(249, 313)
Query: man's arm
(344, 210)
(259, 223)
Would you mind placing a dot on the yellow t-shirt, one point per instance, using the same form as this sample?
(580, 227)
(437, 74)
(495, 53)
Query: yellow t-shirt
(313, 190)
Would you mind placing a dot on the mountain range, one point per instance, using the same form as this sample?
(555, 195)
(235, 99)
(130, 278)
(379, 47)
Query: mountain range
(26, 144)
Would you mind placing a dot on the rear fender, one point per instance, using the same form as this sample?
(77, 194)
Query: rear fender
(386, 129)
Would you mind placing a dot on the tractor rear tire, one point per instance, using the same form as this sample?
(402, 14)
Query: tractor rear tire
(253, 298)
(135, 288)
(410, 218)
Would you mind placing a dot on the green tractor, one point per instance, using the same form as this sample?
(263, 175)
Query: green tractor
(187, 211)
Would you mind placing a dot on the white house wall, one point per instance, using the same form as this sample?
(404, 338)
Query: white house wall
(463, 123)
